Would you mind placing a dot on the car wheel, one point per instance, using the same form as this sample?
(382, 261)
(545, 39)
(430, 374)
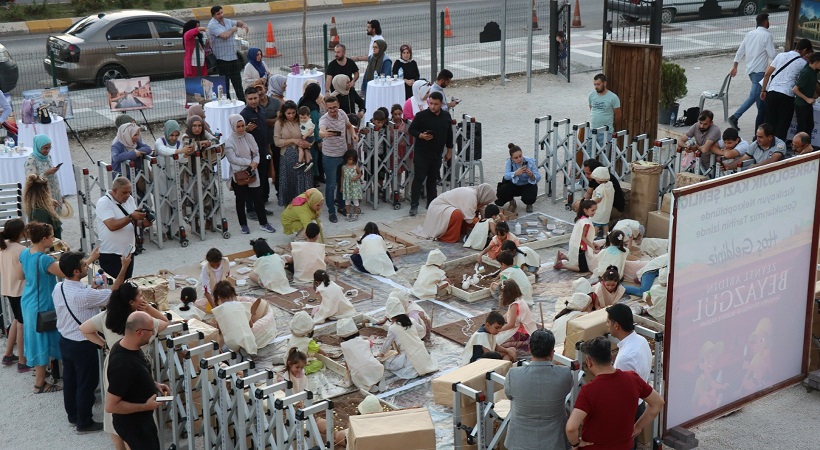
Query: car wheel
(110, 72)
(747, 8)
(667, 15)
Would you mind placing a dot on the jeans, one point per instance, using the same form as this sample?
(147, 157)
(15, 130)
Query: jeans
(81, 375)
(264, 183)
(332, 164)
(111, 263)
(231, 70)
(646, 282)
(426, 170)
(753, 98)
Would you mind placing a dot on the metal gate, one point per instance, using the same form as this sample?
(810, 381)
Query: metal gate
(564, 15)
(636, 21)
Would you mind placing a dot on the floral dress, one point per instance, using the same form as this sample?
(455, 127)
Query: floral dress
(351, 190)
(37, 167)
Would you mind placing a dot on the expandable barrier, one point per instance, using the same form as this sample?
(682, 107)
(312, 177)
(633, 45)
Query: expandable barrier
(11, 207)
(465, 158)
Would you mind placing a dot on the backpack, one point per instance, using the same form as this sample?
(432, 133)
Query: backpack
(690, 117)
(28, 111)
(43, 114)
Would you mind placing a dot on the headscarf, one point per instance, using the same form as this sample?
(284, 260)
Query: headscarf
(401, 51)
(276, 85)
(190, 25)
(311, 96)
(39, 141)
(340, 84)
(311, 196)
(258, 65)
(234, 119)
(125, 135)
(169, 128)
(417, 101)
(189, 128)
(485, 194)
(375, 62)
(123, 118)
(198, 110)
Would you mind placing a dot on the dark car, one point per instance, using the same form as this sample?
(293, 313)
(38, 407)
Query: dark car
(9, 73)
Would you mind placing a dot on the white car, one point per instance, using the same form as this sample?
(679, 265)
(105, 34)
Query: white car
(641, 9)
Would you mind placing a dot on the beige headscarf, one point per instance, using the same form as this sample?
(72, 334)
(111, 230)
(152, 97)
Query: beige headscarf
(340, 84)
(485, 194)
(125, 134)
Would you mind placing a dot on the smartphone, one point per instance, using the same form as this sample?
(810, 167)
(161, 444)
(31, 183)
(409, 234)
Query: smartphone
(165, 399)
(337, 133)
(429, 131)
(130, 249)
(58, 165)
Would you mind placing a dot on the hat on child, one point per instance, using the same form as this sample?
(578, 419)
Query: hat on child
(370, 405)
(601, 173)
(582, 286)
(394, 308)
(578, 301)
(436, 258)
(301, 325)
(346, 327)
(400, 295)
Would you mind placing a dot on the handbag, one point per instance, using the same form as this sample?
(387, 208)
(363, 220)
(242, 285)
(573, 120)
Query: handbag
(43, 115)
(46, 320)
(245, 177)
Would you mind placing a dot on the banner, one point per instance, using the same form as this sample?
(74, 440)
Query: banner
(739, 282)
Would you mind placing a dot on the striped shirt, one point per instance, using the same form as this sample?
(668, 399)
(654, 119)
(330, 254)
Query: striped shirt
(84, 302)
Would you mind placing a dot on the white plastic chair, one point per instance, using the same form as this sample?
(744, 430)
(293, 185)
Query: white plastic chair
(723, 95)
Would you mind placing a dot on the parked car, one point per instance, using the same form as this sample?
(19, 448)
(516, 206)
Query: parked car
(641, 9)
(119, 44)
(9, 72)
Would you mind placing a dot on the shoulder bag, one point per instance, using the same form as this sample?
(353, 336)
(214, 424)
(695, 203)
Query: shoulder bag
(46, 320)
(246, 176)
(65, 300)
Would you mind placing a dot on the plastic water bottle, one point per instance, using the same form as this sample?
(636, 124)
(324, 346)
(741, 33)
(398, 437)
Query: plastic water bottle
(518, 228)
(172, 283)
(217, 134)
(213, 96)
(672, 119)
(99, 278)
(401, 73)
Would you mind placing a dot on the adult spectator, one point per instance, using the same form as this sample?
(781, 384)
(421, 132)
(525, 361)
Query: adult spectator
(302, 211)
(443, 79)
(538, 391)
(269, 109)
(589, 166)
(193, 62)
(452, 214)
(778, 82)
(40, 163)
(132, 391)
(128, 146)
(255, 69)
(607, 405)
(418, 102)
(801, 144)
(243, 156)
(804, 95)
(75, 303)
(121, 120)
(5, 107)
(701, 136)
(257, 125)
(604, 107)
(433, 131)
(221, 36)
(341, 65)
(197, 110)
(409, 68)
(198, 138)
(311, 99)
(521, 179)
(758, 48)
(39, 206)
(115, 224)
(11, 287)
(287, 136)
(374, 30)
(378, 63)
(40, 271)
(349, 99)
(334, 129)
(766, 149)
(277, 85)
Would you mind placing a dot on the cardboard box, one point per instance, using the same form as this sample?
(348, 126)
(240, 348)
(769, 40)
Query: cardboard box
(657, 225)
(472, 375)
(394, 430)
(584, 328)
(666, 203)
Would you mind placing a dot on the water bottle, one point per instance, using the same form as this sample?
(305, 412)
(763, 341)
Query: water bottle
(213, 96)
(99, 278)
(217, 134)
(518, 228)
(172, 283)
(401, 73)
(672, 119)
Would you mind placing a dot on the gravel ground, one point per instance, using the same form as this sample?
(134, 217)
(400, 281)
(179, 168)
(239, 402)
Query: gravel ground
(507, 114)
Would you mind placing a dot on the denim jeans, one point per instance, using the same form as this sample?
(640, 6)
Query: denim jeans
(753, 98)
(331, 164)
(646, 282)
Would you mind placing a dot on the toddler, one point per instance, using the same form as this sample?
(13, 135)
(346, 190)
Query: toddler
(352, 184)
(604, 196)
(301, 328)
(307, 128)
(502, 235)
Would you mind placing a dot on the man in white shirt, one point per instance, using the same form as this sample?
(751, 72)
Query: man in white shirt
(75, 303)
(117, 215)
(758, 48)
(778, 82)
(374, 30)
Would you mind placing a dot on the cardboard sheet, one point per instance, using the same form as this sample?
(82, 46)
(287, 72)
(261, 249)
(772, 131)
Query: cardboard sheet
(472, 375)
(296, 301)
(584, 328)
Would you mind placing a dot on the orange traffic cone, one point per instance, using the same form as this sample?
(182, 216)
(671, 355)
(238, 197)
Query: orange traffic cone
(448, 31)
(534, 18)
(576, 16)
(334, 35)
(270, 48)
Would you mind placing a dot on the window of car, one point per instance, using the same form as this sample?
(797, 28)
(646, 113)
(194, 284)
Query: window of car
(85, 28)
(137, 29)
(168, 30)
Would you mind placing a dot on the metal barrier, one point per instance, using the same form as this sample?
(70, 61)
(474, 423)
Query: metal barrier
(210, 397)
(11, 207)
(87, 183)
(176, 409)
(464, 163)
(305, 418)
(193, 383)
(543, 142)
(401, 167)
(270, 427)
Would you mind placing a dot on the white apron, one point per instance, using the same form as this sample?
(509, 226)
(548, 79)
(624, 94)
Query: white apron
(334, 304)
(477, 239)
(559, 326)
(575, 241)
(414, 312)
(411, 346)
(233, 319)
(520, 278)
(365, 370)
(308, 257)
(271, 271)
(426, 285)
(374, 257)
(533, 259)
(610, 256)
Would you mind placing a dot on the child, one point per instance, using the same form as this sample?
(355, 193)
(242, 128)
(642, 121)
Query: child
(307, 128)
(13, 281)
(483, 341)
(563, 50)
(415, 312)
(215, 268)
(301, 329)
(269, 268)
(520, 324)
(334, 303)
(366, 371)
(581, 241)
(604, 196)
(511, 272)
(308, 256)
(526, 258)
(502, 234)
(484, 230)
(614, 254)
(352, 184)
(579, 304)
(632, 229)
(431, 277)
(412, 359)
(187, 297)
(609, 290)
(234, 319)
(731, 146)
(294, 372)
(371, 255)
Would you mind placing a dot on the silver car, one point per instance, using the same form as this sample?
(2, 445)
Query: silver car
(641, 9)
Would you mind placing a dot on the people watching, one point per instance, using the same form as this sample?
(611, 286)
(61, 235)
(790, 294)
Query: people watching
(452, 214)
(374, 30)
(40, 163)
(804, 95)
(700, 137)
(378, 63)
(257, 126)
(443, 79)
(38, 205)
(409, 68)
(268, 111)
(776, 90)
(766, 149)
(221, 32)
(311, 98)
(12, 282)
(604, 108)
(349, 100)
(801, 144)
(193, 61)
(128, 146)
(255, 70)
(288, 138)
(418, 101)
(334, 129)
(730, 147)
(341, 65)
(117, 217)
(521, 177)
(433, 131)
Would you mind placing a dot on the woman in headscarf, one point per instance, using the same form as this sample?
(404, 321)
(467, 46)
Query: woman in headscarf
(198, 138)
(169, 145)
(255, 69)
(198, 110)
(277, 84)
(320, 99)
(409, 68)
(193, 63)
(196, 135)
(40, 163)
(451, 215)
(311, 100)
(418, 102)
(123, 119)
(348, 98)
(377, 64)
(38, 204)
(128, 147)
(287, 137)
(304, 209)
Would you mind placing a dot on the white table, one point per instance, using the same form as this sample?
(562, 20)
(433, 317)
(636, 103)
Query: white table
(217, 117)
(295, 83)
(60, 151)
(386, 95)
(12, 166)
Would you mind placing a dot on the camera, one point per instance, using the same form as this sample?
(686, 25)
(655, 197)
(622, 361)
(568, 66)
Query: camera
(149, 215)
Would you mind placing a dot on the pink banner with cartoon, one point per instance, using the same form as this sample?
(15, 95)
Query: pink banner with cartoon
(740, 280)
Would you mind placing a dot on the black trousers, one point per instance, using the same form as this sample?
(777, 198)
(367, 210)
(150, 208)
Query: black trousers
(779, 112)
(137, 430)
(507, 190)
(805, 118)
(263, 174)
(111, 263)
(426, 170)
(231, 70)
(276, 156)
(81, 375)
(254, 195)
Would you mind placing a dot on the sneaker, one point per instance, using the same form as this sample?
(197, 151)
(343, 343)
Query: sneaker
(244, 229)
(9, 360)
(333, 218)
(268, 228)
(22, 368)
(414, 212)
(348, 217)
(298, 165)
(529, 208)
(252, 215)
(93, 427)
(733, 123)
(308, 167)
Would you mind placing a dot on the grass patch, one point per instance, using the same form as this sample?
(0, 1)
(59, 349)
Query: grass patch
(42, 9)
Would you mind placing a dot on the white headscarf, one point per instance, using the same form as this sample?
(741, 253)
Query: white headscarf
(125, 134)
(419, 101)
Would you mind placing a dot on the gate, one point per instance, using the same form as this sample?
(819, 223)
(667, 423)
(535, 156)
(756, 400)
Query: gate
(635, 21)
(563, 22)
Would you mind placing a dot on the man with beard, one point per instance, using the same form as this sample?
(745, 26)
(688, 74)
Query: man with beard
(766, 149)
(257, 126)
(342, 65)
(604, 107)
(374, 30)
(701, 136)
(434, 133)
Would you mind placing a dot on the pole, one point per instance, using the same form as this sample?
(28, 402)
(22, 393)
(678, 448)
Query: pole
(553, 32)
(433, 44)
(324, 28)
(656, 22)
(529, 58)
(53, 70)
(504, 44)
(442, 41)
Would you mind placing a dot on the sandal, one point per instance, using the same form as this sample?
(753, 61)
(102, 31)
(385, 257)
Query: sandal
(47, 388)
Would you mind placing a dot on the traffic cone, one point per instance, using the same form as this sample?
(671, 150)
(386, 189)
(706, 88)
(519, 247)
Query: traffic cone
(534, 18)
(270, 48)
(448, 31)
(576, 16)
(334, 35)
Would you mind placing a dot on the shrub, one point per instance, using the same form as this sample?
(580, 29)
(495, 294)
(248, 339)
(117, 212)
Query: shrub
(673, 83)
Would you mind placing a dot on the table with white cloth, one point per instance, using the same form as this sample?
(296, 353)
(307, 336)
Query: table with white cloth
(60, 152)
(387, 95)
(12, 166)
(295, 83)
(218, 117)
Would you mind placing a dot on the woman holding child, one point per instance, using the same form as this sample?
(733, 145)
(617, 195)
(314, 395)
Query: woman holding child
(452, 214)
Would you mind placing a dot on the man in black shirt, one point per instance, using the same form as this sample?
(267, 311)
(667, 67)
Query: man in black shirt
(342, 65)
(132, 391)
(433, 130)
(256, 125)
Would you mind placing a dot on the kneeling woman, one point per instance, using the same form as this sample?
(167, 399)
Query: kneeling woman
(371, 256)
(452, 214)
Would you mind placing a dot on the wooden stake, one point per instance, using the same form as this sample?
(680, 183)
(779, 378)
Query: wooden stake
(541, 307)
